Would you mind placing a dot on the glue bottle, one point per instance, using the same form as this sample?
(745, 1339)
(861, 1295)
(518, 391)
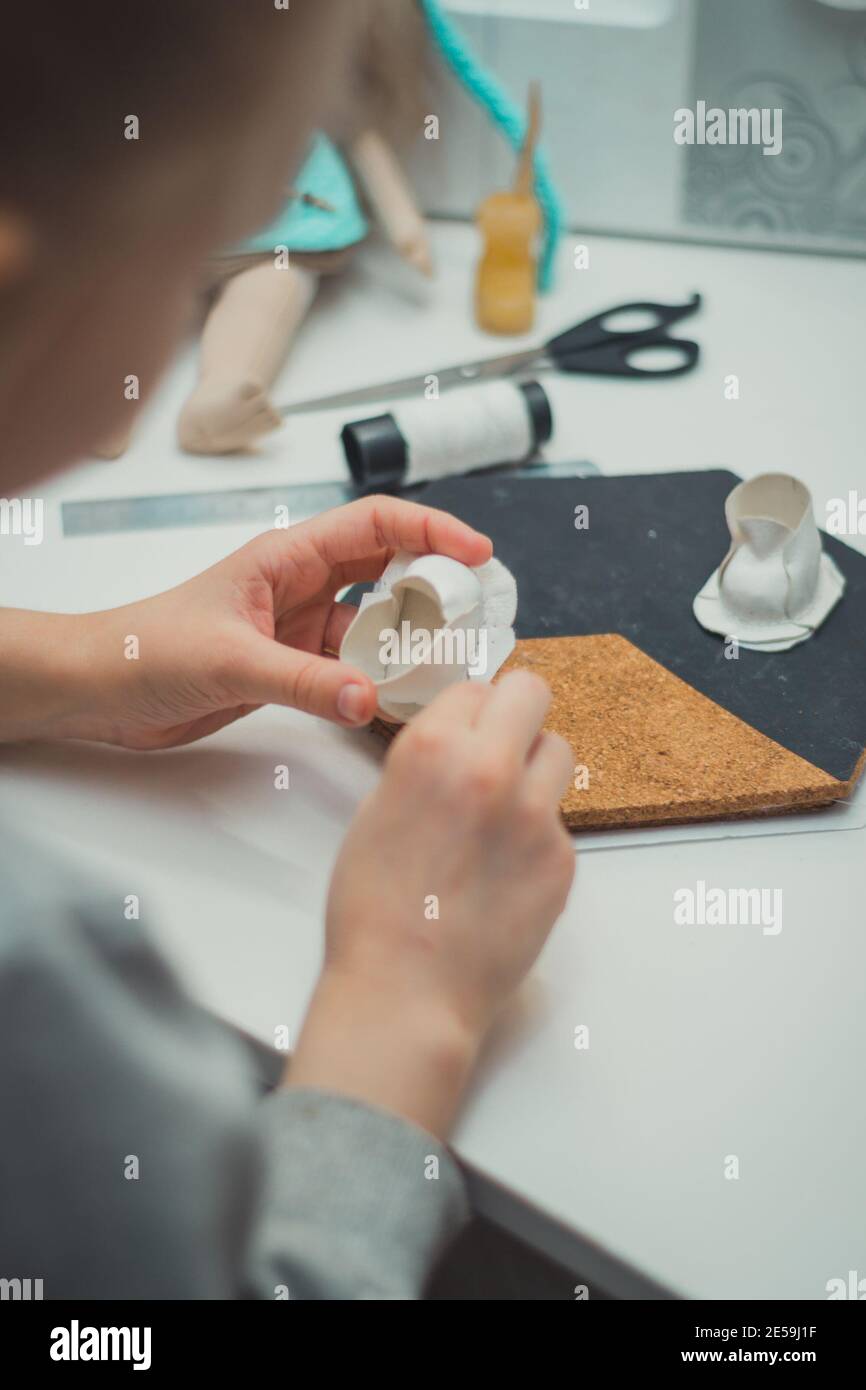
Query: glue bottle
(509, 223)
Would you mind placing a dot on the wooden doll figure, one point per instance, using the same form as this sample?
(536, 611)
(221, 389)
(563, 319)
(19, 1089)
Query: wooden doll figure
(263, 291)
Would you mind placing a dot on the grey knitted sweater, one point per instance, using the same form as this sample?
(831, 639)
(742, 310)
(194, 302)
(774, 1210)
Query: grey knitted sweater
(141, 1155)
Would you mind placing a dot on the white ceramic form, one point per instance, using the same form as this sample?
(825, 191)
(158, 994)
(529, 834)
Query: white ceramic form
(776, 585)
(428, 623)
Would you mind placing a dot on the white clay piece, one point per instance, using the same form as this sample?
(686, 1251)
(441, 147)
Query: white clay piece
(452, 622)
(775, 586)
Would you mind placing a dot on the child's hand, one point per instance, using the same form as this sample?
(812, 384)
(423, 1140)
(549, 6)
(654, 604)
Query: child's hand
(252, 630)
(451, 876)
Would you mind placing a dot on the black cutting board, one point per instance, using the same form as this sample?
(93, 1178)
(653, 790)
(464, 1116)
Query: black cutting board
(652, 542)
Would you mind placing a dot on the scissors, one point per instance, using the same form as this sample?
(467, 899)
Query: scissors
(587, 347)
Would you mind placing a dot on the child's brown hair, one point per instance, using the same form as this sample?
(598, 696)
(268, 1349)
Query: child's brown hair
(72, 73)
(137, 136)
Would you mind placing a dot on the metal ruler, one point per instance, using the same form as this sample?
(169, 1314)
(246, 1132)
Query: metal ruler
(201, 508)
(236, 505)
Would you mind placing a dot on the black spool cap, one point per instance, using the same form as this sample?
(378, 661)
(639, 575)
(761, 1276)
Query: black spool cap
(375, 451)
(539, 410)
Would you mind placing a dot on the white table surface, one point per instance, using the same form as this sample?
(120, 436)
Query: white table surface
(705, 1041)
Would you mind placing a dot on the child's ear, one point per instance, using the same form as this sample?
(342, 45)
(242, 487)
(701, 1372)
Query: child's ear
(16, 247)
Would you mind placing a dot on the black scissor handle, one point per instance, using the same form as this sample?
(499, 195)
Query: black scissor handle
(592, 347)
(612, 359)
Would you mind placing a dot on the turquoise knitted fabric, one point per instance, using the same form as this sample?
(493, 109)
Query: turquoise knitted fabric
(487, 92)
(304, 227)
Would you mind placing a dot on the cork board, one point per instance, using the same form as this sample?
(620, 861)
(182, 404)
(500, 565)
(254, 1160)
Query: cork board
(653, 750)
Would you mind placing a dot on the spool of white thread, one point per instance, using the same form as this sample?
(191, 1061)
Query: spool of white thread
(460, 431)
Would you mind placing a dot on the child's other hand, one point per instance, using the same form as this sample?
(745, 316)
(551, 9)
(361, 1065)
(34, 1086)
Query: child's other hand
(252, 630)
(448, 883)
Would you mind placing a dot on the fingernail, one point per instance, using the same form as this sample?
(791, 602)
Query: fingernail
(352, 703)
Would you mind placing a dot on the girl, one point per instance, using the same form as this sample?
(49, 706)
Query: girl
(320, 1187)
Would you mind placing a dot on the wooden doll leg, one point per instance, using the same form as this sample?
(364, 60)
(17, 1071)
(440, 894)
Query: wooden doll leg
(243, 345)
(392, 200)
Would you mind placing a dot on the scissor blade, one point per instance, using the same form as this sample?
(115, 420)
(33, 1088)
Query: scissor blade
(465, 372)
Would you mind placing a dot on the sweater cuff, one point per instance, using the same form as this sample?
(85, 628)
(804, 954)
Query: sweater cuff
(358, 1203)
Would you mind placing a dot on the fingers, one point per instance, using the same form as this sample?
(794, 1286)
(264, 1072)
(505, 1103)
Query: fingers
(266, 672)
(550, 769)
(353, 543)
(506, 718)
(341, 617)
(514, 712)
(455, 707)
(359, 571)
(373, 524)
